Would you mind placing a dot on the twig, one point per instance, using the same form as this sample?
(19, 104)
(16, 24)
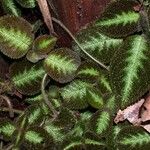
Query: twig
(6, 109)
(46, 15)
(45, 97)
(10, 107)
(71, 35)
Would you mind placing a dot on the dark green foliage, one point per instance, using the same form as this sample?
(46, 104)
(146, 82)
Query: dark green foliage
(27, 3)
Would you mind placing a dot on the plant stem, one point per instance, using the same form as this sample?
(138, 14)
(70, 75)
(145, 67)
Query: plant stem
(6, 109)
(45, 97)
(71, 35)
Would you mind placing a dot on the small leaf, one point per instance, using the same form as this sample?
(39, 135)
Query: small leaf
(119, 19)
(10, 7)
(74, 94)
(133, 138)
(27, 77)
(98, 45)
(27, 3)
(129, 70)
(44, 44)
(62, 64)
(15, 36)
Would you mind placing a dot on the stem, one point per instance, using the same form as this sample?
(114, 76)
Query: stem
(6, 109)
(71, 35)
(45, 97)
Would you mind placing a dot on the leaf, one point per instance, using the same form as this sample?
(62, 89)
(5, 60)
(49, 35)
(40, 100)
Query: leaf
(15, 36)
(27, 77)
(100, 122)
(119, 19)
(74, 94)
(98, 45)
(62, 64)
(27, 3)
(44, 44)
(129, 70)
(7, 128)
(10, 7)
(133, 138)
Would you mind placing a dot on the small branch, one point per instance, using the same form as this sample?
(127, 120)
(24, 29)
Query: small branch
(46, 15)
(45, 97)
(6, 109)
(71, 35)
(10, 107)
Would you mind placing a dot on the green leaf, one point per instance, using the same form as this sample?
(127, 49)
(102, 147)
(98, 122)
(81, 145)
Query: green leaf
(27, 77)
(98, 45)
(7, 128)
(15, 36)
(119, 19)
(10, 7)
(133, 138)
(74, 94)
(62, 64)
(44, 44)
(27, 3)
(129, 70)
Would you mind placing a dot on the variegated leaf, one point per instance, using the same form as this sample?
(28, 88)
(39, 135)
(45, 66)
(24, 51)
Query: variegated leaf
(16, 36)
(98, 45)
(62, 64)
(129, 70)
(133, 138)
(27, 3)
(27, 77)
(74, 94)
(119, 19)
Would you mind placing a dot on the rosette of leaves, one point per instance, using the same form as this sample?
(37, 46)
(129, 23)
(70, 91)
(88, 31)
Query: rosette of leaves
(119, 19)
(130, 77)
(27, 77)
(27, 3)
(16, 36)
(98, 45)
(62, 64)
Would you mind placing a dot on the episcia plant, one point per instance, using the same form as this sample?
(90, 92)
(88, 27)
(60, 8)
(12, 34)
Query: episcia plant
(72, 102)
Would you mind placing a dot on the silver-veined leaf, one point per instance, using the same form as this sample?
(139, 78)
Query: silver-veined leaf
(10, 7)
(27, 77)
(129, 70)
(62, 64)
(133, 138)
(27, 3)
(74, 94)
(98, 45)
(16, 36)
(119, 19)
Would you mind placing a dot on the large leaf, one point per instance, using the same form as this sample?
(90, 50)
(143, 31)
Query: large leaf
(62, 64)
(98, 45)
(15, 36)
(119, 19)
(129, 70)
(27, 77)
(27, 3)
(10, 7)
(133, 138)
(74, 94)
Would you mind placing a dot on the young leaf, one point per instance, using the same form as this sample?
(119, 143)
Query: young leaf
(129, 70)
(15, 36)
(27, 3)
(74, 94)
(10, 7)
(98, 45)
(119, 19)
(27, 77)
(133, 138)
(62, 64)
(44, 44)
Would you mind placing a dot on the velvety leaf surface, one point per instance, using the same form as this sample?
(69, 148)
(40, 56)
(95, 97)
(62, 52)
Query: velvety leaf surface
(27, 77)
(119, 19)
(62, 64)
(15, 36)
(129, 70)
(27, 3)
